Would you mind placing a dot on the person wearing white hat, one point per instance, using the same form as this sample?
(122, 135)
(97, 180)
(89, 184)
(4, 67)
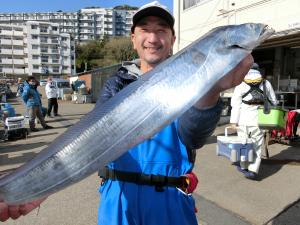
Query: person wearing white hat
(245, 101)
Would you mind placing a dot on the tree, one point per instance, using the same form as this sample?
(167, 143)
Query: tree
(105, 52)
(120, 49)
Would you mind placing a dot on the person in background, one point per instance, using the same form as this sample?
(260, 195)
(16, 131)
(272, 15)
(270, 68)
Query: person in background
(32, 99)
(51, 93)
(246, 99)
(20, 87)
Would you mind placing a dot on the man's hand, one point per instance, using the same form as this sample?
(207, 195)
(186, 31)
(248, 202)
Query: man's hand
(14, 212)
(230, 80)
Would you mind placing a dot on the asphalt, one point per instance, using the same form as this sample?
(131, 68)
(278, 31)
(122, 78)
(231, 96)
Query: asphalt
(223, 196)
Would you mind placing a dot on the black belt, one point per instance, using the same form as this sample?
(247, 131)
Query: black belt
(253, 103)
(142, 179)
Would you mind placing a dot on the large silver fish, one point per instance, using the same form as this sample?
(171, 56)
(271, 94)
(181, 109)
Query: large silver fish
(134, 114)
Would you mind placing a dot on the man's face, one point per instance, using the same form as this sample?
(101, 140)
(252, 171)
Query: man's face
(32, 82)
(153, 40)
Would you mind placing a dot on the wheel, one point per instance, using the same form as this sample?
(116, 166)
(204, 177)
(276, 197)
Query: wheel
(233, 156)
(250, 156)
(217, 150)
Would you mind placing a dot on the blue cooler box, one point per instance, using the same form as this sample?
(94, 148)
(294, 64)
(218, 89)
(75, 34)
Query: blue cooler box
(6, 107)
(235, 148)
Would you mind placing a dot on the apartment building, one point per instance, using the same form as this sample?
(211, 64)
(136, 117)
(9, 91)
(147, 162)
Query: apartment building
(279, 56)
(12, 51)
(85, 25)
(35, 48)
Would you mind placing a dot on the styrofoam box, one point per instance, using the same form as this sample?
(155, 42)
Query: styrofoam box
(16, 122)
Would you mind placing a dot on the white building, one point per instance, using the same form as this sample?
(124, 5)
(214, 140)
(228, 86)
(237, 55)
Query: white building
(279, 57)
(86, 24)
(12, 50)
(36, 48)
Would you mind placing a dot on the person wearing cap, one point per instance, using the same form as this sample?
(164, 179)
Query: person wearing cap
(245, 101)
(33, 102)
(51, 93)
(152, 182)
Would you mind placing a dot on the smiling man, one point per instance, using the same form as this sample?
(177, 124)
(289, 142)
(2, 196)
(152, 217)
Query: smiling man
(152, 182)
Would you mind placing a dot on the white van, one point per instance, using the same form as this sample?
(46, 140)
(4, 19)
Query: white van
(63, 87)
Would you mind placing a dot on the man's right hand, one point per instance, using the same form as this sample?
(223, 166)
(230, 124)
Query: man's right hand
(15, 211)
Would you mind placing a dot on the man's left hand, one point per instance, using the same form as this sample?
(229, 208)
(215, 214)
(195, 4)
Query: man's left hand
(230, 80)
(14, 212)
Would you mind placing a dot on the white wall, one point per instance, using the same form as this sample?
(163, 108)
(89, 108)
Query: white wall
(199, 19)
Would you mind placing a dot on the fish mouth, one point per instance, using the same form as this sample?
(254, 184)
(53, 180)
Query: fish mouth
(263, 35)
(266, 33)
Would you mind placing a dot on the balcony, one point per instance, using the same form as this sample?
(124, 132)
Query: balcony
(13, 70)
(18, 33)
(18, 52)
(6, 51)
(5, 42)
(18, 42)
(5, 61)
(12, 61)
(19, 61)
(6, 32)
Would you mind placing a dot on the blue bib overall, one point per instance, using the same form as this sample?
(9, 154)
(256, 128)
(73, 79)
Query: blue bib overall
(131, 204)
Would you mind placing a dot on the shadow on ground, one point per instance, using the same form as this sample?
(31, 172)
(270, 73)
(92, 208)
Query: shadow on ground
(21, 147)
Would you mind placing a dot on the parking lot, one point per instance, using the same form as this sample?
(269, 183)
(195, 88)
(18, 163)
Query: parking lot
(223, 195)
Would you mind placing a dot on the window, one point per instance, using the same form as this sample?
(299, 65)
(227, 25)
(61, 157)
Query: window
(44, 29)
(44, 39)
(54, 28)
(44, 49)
(55, 69)
(54, 40)
(34, 27)
(63, 84)
(44, 58)
(190, 3)
(35, 47)
(35, 57)
(35, 67)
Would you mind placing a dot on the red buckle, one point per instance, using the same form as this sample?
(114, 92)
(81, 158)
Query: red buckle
(189, 182)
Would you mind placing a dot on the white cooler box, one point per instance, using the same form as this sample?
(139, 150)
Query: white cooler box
(235, 148)
(16, 122)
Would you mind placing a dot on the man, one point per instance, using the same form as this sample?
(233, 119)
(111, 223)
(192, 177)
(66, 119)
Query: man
(20, 87)
(170, 153)
(138, 188)
(245, 100)
(32, 99)
(51, 93)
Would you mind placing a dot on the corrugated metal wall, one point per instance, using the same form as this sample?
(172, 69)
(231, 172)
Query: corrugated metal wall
(99, 77)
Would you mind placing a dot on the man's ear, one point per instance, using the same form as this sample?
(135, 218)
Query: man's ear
(133, 41)
(173, 39)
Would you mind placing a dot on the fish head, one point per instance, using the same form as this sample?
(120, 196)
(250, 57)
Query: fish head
(247, 36)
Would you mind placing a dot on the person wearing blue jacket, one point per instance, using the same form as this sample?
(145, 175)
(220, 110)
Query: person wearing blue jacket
(32, 99)
(152, 182)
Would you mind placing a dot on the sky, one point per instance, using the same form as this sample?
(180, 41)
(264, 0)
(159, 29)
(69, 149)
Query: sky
(13, 6)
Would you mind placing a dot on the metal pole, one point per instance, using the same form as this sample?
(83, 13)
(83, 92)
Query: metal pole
(74, 55)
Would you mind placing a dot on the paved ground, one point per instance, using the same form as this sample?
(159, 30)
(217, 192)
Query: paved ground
(223, 196)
